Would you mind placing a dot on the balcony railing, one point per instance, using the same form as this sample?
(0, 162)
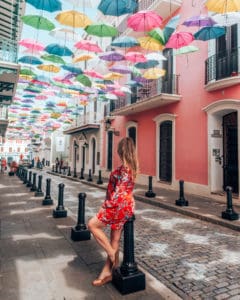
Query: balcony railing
(222, 65)
(8, 50)
(164, 85)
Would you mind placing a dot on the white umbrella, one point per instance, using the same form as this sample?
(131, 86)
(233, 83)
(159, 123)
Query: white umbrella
(155, 56)
(84, 3)
(227, 19)
(65, 34)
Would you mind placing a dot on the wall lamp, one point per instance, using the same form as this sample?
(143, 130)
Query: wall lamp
(108, 123)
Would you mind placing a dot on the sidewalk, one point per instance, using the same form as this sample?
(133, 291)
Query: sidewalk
(206, 209)
(38, 259)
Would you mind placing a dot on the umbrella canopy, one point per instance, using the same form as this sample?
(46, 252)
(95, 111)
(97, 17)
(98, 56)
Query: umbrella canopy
(144, 20)
(27, 72)
(83, 79)
(101, 30)
(199, 21)
(38, 22)
(112, 76)
(148, 64)
(88, 46)
(135, 56)
(125, 42)
(83, 57)
(31, 44)
(223, 6)
(154, 73)
(208, 33)
(227, 19)
(93, 73)
(117, 7)
(72, 69)
(158, 35)
(185, 50)
(170, 27)
(65, 33)
(56, 49)
(53, 58)
(48, 5)
(49, 68)
(30, 60)
(150, 44)
(73, 18)
(155, 56)
(112, 56)
(122, 69)
(179, 39)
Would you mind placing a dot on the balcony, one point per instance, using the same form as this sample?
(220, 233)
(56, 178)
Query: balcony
(155, 93)
(3, 120)
(222, 70)
(86, 122)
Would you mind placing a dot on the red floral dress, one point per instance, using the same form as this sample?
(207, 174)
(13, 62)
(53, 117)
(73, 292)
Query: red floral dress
(118, 206)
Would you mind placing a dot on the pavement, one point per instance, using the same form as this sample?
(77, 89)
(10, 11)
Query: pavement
(38, 259)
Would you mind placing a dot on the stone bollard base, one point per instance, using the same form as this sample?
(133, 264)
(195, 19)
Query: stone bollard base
(127, 284)
(182, 202)
(80, 235)
(150, 194)
(59, 213)
(230, 215)
(47, 202)
(39, 194)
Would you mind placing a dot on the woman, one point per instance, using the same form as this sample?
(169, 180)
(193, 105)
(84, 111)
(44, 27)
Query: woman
(117, 208)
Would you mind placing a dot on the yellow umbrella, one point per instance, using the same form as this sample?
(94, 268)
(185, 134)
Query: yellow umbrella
(150, 43)
(154, 73)
(223, 6)
(112, 76)
(73, 18)
(83, 57)
(49, 68)
(25, 77)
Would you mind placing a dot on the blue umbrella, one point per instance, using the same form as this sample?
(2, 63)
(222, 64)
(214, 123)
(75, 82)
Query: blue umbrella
(30, 60)
(170, 27)
(48, 5)
(125, 42)
(72, 69)
(117, 7)
(148, 64)
(58, 50)
(208, 33)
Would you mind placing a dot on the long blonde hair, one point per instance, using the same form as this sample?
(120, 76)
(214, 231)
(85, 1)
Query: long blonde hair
(127, 153)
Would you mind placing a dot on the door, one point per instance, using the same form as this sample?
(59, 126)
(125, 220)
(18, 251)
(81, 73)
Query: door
(230, 152)
(93, 156)
(132, 134)
(165, 154)
(109, 150)
(83, 157)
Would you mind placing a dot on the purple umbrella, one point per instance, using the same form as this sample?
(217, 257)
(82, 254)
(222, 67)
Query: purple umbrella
(199, 21)
(112, 56)
(122, 69)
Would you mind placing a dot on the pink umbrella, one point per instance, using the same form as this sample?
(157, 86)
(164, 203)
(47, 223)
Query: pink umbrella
(144, 20)
(179, 39)
(93, 74)
(41, 97)
(31, 44)
(88, 45)
(135, 57)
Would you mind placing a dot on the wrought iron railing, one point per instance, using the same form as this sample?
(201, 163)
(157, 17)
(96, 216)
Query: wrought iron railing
(8, 50)
(222, 65)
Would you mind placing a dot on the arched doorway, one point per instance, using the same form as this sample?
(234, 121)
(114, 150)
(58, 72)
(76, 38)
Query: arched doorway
(165, 153)
(93, 156)
(132, 133)
(110, 150)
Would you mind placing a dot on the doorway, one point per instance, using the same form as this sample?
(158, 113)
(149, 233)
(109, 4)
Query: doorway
(83, 157)
(93, 156)
(165, 153)
(110, 150)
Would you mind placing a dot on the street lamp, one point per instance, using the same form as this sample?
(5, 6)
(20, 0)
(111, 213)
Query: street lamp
(75, 145)
(108, 123)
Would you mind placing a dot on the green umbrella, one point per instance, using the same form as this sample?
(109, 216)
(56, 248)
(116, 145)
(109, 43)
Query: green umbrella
(27, 72)
(38, 22)
(101, 29)
(185, 50)
(158, 35)
(53, 58)
(83, 79)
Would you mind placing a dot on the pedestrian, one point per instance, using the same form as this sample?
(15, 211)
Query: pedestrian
(116, 209)
(3, 164)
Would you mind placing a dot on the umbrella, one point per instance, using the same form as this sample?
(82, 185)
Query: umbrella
(83, 79)
(49, 68)
(179, 39)
(58, 50)
(135, 56)
(148, 64)
(122, 69)
(38, 22)
(125, 42)
(185, 50)
(53, 58)
(144, 20)
(112, 56)
(112, 76)
(30, 60)
(31, 44)
(154, 73)
(88, 45)
(199, 21)
(73, 18)
(82, 57)
(72, 69)
(223, 6)
(149, 43)
(208, 33)
(170, 27)
(93, 73)
(84, 3)
(155, 56)
(117, 7)
(158, 35)
(101, 30)
(64, 33)
(27, 72)
(227, 19)
(48, 5)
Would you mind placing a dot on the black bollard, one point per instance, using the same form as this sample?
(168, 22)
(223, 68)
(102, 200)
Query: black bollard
(25, 179)
(90, 175)
(69, 171)
(29, 183)
(60, 211)
(80, 231)
(39, 192)
(52, 168)
(229, 214)
(128, 279)
(33, 187)
(150, 193)
(181, 201)
(48, 200)
(81, 174)
(56, 169)
(99, 177)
